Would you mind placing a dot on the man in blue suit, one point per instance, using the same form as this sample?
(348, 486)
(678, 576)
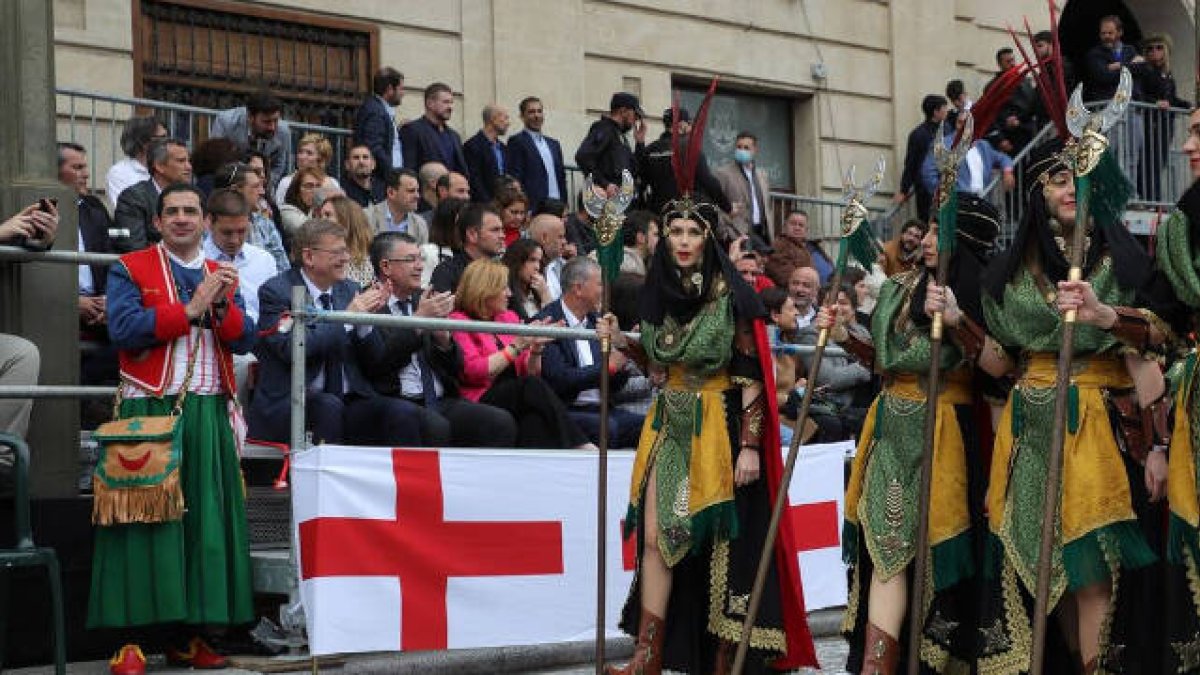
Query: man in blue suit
(536, 159)
(375, 121)
(429, 138)
(341, 405)
(572, 367)
(486, 154)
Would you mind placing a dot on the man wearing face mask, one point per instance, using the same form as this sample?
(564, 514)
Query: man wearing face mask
(748, 191)
(605, 151)
(658, 179)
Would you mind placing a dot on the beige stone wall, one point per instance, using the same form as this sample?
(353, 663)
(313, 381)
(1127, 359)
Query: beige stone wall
(882, 57)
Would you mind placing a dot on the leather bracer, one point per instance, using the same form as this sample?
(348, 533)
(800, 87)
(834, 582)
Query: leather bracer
(858, 348)
(1155, 424)
(970, 337)
(754, 417)
(1131, 328)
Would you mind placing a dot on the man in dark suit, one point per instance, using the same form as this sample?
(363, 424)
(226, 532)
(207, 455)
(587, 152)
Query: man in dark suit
(536, 159)
(134, 219)
(572, 367)
(341, 405)
(98, 362)
(374, 122)
(422, 366)
(429, 138)
(486, 154)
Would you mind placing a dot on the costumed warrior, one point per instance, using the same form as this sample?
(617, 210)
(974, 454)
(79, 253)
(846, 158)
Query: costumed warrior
(176, 318)
(880, 532)
(708, 464)
(1102, 557)
(1179, 260)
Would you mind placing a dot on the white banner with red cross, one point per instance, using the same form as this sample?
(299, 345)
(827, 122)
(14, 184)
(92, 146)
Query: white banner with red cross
(437, 549)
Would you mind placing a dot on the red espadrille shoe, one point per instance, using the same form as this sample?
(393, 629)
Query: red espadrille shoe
(198, 655)
(129, 660)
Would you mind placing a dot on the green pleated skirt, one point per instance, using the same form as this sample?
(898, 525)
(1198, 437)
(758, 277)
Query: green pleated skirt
(196, 570)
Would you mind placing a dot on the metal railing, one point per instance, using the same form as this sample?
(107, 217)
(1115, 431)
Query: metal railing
(96, 120)
(1147, 145)
(824, 215)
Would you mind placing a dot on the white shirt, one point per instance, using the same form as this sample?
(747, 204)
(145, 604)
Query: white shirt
(411, 384)
(584, 349)
(124, 173)
(254, 265)
(975, 167)
(543, 148)
(806, 320)
(397, 146)
(553, 278)
(87, 285)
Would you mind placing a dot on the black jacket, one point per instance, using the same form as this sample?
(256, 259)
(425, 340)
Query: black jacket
(399, 345)
(375, 128)
(525, 163)
(482, 167)
(920, 139)
(658, 178)
(420, 140)
(603, 154)
(94, 226)
(446, 275)
(134, 218)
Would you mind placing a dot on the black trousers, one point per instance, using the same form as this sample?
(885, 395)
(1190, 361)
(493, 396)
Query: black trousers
(542, 419)
(460, 423)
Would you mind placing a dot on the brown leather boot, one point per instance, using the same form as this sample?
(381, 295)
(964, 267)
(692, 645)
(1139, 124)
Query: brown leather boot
(647, 651)
(726, 651)
(1091, 666)
(882, 652)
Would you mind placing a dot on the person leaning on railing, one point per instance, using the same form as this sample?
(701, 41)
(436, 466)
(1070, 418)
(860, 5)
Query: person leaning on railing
(504, 370)
(33, 228)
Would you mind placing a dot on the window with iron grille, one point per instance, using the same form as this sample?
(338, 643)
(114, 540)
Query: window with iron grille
(212, 54)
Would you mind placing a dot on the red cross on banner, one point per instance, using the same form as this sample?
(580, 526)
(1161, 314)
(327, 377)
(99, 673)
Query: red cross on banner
(423, 550)
(815, 525)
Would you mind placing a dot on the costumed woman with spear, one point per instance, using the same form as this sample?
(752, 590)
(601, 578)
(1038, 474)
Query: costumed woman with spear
(708, 464)
(1178, 260)
(1072, 307)
(880, 536)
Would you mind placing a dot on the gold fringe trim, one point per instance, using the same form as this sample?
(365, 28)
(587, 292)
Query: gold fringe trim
(152, 504)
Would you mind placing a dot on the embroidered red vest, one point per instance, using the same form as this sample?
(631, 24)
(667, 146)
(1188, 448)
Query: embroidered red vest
(150, 368)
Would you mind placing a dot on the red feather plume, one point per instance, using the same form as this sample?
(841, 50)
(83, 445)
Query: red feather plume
(684, 160)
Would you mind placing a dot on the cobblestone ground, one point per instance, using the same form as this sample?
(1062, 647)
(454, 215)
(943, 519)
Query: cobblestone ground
(831, 652)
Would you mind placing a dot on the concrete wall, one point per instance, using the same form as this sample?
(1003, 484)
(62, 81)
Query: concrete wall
(881, 56)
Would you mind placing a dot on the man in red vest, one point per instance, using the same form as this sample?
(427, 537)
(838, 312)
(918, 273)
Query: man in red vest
(165, 304)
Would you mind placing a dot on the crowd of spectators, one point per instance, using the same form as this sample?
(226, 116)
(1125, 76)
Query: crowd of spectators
(1142, 139)
(418, 213)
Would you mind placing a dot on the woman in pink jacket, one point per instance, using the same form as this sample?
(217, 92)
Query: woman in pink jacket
(504, 370)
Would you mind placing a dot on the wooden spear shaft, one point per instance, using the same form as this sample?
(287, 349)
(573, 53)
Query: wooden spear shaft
(602, 486)
(1058, 438)
(916, 603)
(781, 498)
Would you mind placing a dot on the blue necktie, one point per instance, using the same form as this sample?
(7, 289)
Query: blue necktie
(333, 362)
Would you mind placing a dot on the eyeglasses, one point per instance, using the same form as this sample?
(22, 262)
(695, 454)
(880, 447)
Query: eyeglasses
(1155, 47)
(405, 260)
(335, 252)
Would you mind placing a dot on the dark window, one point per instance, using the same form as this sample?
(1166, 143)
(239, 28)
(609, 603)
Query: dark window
(767, 117)
(211, 54)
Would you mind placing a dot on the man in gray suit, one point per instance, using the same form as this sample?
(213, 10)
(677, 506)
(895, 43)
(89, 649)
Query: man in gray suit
(257, 126)
(168, 161)
(749, 193)
(398, 213)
